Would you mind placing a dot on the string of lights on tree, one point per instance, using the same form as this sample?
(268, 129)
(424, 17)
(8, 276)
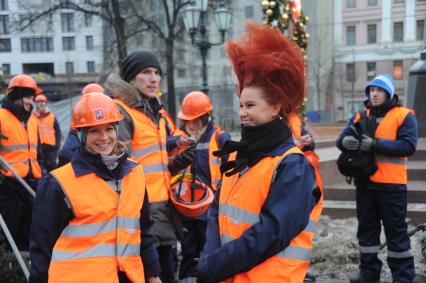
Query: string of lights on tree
(287, 16)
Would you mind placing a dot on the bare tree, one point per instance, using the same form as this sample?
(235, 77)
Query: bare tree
(128, 19)
(110, 11)
(172, 30)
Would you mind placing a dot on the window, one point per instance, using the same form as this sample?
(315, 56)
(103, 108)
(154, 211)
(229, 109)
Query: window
(5, 45)
(372, 33)
(350, 72)
(3, 5)
(350, 3)
(249, 12)
(371, 70)
(90, 66)
(420, 29)
(68, 43)
(397, 73)
(398, 32)
(67, 20)
(89, 42)
(350, 35)
(372, 2)
(69, 67)
(4, 24)
(88, 20)
(37, 44)
(6, 69)
(398, 1)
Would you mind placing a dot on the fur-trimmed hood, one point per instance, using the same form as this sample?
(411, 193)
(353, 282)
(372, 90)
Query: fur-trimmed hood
(118, 88)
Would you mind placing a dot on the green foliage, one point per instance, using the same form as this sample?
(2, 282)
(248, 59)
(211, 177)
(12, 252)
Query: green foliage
(10, 271)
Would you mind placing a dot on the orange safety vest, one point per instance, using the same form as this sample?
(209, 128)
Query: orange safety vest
(295, 124)
(238, 212)
(390, 169)
(149, 149)
(174, 130)
(20, 149)
(46, 128)
(104, 237)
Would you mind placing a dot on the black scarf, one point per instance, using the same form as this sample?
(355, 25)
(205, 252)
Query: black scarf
(255, 143)
(19, 111)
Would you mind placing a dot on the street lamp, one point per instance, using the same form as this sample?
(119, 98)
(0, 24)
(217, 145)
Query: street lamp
(195, 22)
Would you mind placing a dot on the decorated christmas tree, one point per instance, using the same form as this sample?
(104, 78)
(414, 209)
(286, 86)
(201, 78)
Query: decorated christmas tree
(287, 15)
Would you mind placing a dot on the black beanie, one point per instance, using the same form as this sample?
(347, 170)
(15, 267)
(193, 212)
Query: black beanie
(136, 62)
(20, 92)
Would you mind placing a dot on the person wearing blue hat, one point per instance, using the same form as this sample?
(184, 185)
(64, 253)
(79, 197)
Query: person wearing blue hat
(381, 198)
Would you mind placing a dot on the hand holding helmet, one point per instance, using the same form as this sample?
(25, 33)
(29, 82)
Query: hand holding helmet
(181, 160)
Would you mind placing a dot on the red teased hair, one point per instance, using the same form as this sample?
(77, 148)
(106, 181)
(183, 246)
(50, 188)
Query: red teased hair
(265, 58)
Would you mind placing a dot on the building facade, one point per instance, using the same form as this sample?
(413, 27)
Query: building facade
(62, 50)
(373, 37)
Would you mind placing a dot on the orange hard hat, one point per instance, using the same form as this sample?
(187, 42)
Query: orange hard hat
(195, 104)
(190, 196)
(41, 98)
(95, 109)
(24, 81)
(92, 88)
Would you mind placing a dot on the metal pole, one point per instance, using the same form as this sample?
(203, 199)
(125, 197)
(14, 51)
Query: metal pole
(14, 248)
(19, 178)
(204, 46)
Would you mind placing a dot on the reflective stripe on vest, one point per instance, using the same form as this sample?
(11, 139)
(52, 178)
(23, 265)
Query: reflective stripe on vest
(105, 231)
(46, 128)
(20, 149)
(237, 213)
(148, 147)
(390, 170)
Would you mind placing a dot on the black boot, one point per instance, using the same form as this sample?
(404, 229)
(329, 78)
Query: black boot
(309, 277)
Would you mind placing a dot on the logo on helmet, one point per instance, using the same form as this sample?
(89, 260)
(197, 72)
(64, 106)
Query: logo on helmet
(99, 114)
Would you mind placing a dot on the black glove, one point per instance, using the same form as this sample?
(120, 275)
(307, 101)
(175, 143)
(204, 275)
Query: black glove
(367, 143)
(350, 143)
(182, 160)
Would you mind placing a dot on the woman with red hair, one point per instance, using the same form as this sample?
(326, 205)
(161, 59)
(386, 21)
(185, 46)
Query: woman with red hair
(259, 226)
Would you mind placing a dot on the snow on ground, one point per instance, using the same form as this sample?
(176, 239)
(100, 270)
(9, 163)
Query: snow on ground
(335, 254)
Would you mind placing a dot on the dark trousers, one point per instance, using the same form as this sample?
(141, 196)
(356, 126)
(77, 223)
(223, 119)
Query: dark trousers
(165, 254)
(193, 241)
(16, 209)
(390, 208)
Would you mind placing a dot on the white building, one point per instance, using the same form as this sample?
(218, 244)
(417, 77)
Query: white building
(62, 50)
(373, 37)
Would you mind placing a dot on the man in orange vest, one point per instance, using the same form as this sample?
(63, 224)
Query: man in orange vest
(49, 133)
(382, 197)
(20, 151)
(91, 216)
(143, 130)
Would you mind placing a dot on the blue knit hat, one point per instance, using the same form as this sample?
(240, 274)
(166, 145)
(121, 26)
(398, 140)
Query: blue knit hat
(384, 81)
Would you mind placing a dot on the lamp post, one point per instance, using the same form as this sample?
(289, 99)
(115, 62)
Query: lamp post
(195, 21)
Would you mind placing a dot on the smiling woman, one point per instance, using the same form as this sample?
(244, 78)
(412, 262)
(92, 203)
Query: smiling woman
(262, 215)
(101, 196)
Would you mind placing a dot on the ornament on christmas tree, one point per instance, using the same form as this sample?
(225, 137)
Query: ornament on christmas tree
(287, 15)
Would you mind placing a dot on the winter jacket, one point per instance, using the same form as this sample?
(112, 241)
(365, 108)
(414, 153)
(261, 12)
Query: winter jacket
(284, 214)
(52, 213)
(163, 229)
(71, 145)
(403, 146)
